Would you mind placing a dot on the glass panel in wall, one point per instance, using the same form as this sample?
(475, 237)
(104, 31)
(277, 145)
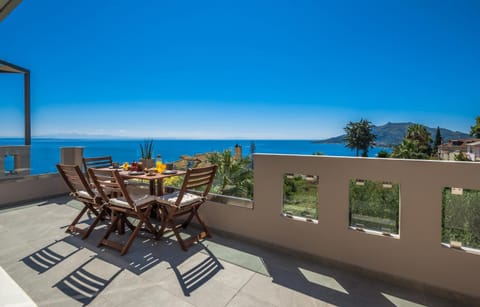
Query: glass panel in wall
(234, 174)
(374, 205)
(9, 166)
(461, 217)
(300, 196)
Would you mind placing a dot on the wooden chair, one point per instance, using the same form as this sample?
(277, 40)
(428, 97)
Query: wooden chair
(186, 202)
(96, 162)
(103, 162)
(112, 189)
(81, 190)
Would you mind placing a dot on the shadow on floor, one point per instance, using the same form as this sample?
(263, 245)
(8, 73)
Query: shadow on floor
(146, 253)
(200, 274)
(50, 255)
(85, 283)
(326, 282)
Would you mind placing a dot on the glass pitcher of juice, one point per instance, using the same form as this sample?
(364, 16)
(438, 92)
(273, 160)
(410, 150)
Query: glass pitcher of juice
(159, 166)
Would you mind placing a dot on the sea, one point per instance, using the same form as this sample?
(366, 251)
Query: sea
(45, 152)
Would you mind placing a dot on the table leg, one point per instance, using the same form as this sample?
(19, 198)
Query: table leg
(159, 187)
(121, 226)
(152, 187)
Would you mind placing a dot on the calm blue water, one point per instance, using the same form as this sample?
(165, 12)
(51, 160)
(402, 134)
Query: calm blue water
(45, 153)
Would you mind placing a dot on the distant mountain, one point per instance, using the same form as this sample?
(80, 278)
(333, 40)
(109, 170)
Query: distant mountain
(393, 133)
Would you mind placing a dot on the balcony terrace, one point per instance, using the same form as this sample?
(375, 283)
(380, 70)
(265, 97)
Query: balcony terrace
(257, 255)
(58, 269)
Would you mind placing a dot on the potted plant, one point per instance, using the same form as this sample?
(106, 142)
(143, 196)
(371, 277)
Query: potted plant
(146, 149)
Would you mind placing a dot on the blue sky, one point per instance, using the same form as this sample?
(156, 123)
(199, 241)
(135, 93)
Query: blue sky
(240, 69)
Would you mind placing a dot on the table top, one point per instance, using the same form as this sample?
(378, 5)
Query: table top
(144, 175)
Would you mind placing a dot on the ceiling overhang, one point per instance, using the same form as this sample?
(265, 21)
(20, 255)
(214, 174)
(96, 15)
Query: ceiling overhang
(6, 67)
(6, 6)
(9, 68)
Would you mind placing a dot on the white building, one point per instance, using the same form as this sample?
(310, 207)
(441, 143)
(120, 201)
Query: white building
(473, 151)
(466, 147)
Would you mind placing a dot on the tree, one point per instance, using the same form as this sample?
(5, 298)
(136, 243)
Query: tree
(383, 154)
(419, 133)
(415, 145)
(461, 157)
(359, 136)
(438, 140)
(475, 129)
(234, 177)
(407, 150)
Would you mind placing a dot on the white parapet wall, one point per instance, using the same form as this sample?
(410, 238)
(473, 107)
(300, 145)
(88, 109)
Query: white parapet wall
(19, 188)
(13, 191)
(21, 161)
(416, 254)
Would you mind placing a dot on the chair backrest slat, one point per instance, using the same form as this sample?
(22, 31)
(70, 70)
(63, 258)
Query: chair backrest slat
(196, 178)
(197, 183)
(109, 182)
(96, 162)
(74, 178)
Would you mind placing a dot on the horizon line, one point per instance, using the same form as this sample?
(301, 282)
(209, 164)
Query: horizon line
(158, 138)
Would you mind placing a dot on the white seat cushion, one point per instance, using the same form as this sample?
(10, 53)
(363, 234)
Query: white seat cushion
(137, 200)
(84, 194)
(171, 199)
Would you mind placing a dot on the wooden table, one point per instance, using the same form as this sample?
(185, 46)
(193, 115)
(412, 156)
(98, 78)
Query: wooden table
(155, 181)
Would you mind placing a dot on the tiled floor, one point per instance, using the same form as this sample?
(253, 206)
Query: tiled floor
(59, 269)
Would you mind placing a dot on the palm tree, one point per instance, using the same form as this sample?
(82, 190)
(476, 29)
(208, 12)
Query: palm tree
(409, 149)
(234, 177)
(420, 133)
(415, 145)
(475, 129)
(359, 136)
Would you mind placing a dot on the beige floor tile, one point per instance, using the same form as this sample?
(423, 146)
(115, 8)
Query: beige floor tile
(245, 300)
(264, 289)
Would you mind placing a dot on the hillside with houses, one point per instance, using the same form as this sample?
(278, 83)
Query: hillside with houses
(393, 133)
